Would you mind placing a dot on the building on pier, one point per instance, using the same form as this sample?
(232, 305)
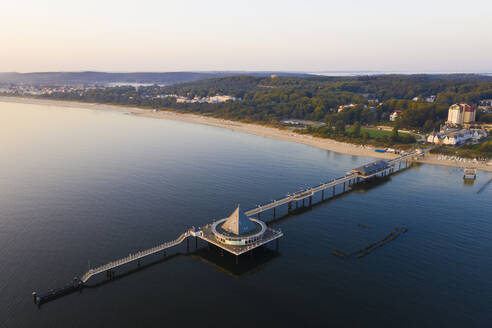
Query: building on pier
(238, 224)
(371, 168)
(238, 233)
(238, 229)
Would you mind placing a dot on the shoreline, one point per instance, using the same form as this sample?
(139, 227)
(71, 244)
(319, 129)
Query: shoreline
(255, 129)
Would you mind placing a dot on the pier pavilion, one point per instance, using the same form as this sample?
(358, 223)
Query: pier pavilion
(371, 169)
(238, 233)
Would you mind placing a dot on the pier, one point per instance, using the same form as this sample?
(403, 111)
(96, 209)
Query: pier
(240, 233)
(328, 189)
(135, 257)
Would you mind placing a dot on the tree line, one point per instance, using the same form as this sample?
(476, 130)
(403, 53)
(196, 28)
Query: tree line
(272, 99)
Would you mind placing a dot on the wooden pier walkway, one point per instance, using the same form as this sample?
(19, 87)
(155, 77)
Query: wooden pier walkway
(136, 256)
(350, 178)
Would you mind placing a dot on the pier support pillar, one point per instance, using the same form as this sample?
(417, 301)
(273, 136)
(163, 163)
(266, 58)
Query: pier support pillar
(34, 295)
(310, 202)
(276, 244)
(333, 195)
(322, 195)
(221, 252)
(187, 245)
(258, 215)
(164, 253)
(297, 204)
(138, 263)
(237, 259)
(344, 186)
(196, 242)
(289, 207)
(399, 167)
(303, 205)
(274, 212)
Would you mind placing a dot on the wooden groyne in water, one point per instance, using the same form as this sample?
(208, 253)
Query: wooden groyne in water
(373, 246)
(484, 186)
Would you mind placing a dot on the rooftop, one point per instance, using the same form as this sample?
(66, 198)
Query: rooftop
(238, 223)
(372, 168)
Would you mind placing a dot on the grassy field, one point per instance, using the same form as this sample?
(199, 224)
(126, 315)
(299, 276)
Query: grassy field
(375, 133)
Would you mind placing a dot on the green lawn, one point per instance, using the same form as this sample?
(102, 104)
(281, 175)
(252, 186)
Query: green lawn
(375, 133)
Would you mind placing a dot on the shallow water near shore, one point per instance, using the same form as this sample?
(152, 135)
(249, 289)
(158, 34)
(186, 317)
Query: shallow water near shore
(84, 185)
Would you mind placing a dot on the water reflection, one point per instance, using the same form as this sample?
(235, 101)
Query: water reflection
(248, 264)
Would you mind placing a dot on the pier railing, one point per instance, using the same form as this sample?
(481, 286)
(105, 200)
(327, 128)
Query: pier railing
(135, 257)
(351, 177)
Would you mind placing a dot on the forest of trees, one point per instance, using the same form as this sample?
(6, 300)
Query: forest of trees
(272, 99)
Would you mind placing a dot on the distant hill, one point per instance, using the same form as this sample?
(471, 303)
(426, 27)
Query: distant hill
(90, 78)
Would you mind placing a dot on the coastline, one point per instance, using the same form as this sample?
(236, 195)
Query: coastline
(256, 129)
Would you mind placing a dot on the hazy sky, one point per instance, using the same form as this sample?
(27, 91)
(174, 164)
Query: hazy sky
(144, 35)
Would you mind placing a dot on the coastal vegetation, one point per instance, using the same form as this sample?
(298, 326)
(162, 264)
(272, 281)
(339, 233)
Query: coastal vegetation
(336, 101)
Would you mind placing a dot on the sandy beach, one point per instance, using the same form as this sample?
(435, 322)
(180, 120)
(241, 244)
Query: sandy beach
(260, 130)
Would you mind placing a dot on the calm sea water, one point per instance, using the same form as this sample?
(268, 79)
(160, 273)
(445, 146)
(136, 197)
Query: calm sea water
(80, 185)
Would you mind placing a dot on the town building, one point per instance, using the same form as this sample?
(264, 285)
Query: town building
(434, 138)
(430, 99)
(462, 113)
(456, 137)
(485, 104)
(469, 114)
(455, 114)
(395, 114)
(342, 107)
(479, 134)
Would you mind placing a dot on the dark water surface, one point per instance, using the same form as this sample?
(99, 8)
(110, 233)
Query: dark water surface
(80, 185)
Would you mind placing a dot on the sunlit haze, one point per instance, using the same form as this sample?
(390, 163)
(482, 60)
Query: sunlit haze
(431, 35)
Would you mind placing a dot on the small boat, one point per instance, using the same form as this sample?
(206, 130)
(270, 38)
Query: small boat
(380, 150)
